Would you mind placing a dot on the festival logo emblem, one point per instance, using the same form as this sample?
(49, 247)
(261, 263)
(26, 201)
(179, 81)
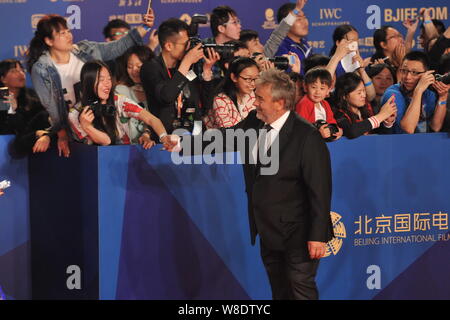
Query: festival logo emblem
(340, 234)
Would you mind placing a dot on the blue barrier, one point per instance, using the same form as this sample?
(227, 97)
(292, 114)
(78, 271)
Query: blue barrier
(127, 223)
(15, 277)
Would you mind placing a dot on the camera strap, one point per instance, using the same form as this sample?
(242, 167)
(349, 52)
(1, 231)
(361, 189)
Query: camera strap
(179, 98)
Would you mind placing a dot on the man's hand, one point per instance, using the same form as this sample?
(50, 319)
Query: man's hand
(316, 249)
(426, 79)
(442, 90)
(210, 59)
(149, 18)
(153, 41)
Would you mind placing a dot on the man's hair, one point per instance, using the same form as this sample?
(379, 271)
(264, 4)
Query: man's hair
(284, 10)
(113, 24)
(170, 28)
(220, 16)
(283, 88)
(444, 65)
(247, 35)
(318, 73)
(417, 56)
(316, 60)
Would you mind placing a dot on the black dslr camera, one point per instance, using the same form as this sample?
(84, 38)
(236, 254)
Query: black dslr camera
(445, 78)
(225, 50)
(280, 62)
(102, 110)
(333, 128)
(4, 92)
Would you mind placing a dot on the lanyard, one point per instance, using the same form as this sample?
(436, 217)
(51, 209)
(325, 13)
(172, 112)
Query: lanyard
(179, 99)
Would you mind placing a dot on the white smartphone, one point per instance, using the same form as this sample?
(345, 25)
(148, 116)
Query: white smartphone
(353, 46)
(5, 184)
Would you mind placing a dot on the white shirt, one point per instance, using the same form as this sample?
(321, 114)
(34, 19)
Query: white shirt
(272, 134)
(70, 75)
(320, 113)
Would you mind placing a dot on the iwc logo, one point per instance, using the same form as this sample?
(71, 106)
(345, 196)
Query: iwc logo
(270, 20)
(340, 234)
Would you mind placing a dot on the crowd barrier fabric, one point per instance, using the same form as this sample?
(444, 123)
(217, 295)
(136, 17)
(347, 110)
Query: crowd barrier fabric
(15, 276)
(130, 224)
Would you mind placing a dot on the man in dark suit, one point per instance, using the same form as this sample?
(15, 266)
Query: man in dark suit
(288, 207)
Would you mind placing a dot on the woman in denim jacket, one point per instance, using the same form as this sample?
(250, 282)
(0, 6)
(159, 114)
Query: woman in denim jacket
(52, 47)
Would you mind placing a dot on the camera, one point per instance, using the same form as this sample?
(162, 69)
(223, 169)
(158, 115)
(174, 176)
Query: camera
(333, 128)
(4, 92)
(102, 110)
(225, 50)
(280, 62)
(445, 78)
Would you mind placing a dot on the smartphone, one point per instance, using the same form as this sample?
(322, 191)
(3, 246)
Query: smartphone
(353, 46)
(149, 5)
(291, 60)
(5, 184)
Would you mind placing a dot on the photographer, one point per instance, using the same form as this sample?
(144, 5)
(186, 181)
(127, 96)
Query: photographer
(174, 92)
(418, 109)
(102, 118)
(55, 63)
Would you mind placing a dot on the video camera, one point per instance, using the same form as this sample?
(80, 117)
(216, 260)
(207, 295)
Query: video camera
(224, 50)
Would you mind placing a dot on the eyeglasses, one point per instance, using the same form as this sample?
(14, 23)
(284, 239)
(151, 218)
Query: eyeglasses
(249, 80)
(235, 22)
(413, 73)
(394, 36)
(118, 33)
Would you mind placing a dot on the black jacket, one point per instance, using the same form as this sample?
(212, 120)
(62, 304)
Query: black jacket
(162, 87)
(291, 207)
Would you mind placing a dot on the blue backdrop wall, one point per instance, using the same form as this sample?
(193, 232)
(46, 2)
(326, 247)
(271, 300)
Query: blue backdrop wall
(88, 17)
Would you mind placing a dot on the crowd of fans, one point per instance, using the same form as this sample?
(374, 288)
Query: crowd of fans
(124, 91)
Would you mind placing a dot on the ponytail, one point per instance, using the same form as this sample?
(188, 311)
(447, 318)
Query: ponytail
(45, 28)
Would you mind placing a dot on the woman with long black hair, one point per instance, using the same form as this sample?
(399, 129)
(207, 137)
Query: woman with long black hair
(354, 114)
(24, 114)
(102, 116)
(55, 64)
(236, 96)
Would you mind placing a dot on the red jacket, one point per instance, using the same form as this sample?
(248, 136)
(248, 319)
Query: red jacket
(305, 108)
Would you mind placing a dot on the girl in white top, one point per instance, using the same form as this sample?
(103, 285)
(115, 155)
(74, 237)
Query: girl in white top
(129, 84)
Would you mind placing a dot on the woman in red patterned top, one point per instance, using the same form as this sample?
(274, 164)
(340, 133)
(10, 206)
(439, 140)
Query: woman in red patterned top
(236, 95)
(103, 117)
